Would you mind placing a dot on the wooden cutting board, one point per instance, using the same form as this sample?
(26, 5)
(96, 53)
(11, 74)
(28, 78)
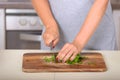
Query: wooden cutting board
(34, 62)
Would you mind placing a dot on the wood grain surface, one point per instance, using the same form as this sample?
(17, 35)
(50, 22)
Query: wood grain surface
(34, 62)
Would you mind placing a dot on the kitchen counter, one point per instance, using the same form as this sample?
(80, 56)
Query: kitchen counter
(11, 68)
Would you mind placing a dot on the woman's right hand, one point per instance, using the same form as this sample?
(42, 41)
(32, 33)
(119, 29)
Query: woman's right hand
(51, 34)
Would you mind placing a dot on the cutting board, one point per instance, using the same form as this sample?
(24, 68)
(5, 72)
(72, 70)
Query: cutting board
(34, 62)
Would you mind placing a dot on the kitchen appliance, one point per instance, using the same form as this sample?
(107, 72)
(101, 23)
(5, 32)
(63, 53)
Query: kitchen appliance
(23, 29)
(2, 29)
(35, 62)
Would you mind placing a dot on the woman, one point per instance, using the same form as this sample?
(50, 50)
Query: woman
(73, 25)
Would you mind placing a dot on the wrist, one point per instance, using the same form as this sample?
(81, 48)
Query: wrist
(78, 44)
(51, 23)
(53, 28)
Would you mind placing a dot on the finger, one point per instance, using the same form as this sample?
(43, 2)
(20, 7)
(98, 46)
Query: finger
(73, 56)
(68, 56)
(62, 50)
(48, 41)
(55, 42)
(45, 38)
(64, 53)
(65, 46)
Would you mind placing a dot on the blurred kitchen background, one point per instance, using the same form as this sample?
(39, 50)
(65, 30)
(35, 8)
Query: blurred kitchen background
(21, 28)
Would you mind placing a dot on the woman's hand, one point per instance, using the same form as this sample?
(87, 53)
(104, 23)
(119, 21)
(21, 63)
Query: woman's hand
(51, 34)
(69, 51)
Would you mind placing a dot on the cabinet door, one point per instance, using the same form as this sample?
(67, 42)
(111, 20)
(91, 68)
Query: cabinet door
(2, 29)
(116, 15)
(115, 1)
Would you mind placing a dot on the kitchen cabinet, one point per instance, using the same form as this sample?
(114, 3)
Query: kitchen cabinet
(115, 1)
(116, 15)
(115, 4)
(2, 29)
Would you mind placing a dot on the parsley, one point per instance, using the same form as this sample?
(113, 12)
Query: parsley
(51, 59)
(78, 59)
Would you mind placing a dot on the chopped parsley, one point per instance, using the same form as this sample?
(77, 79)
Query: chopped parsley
(78, 59)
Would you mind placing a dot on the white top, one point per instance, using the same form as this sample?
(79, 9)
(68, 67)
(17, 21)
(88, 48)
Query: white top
(11, 68)
(71, 14)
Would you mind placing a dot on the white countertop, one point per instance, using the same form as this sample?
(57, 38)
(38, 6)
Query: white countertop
(11, 68)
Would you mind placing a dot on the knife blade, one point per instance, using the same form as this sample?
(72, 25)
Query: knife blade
(51, 48)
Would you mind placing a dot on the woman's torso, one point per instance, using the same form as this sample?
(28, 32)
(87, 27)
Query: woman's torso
(70, 15)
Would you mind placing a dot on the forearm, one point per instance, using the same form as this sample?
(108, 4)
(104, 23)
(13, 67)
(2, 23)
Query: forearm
(92, 21)
(43, 10)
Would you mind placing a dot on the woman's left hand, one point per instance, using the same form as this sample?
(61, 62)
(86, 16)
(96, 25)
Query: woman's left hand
(69, 51)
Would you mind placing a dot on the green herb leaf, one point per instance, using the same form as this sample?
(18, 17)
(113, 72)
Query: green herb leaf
(78, 59)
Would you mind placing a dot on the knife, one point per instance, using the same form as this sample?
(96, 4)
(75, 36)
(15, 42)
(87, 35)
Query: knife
(51, 48)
